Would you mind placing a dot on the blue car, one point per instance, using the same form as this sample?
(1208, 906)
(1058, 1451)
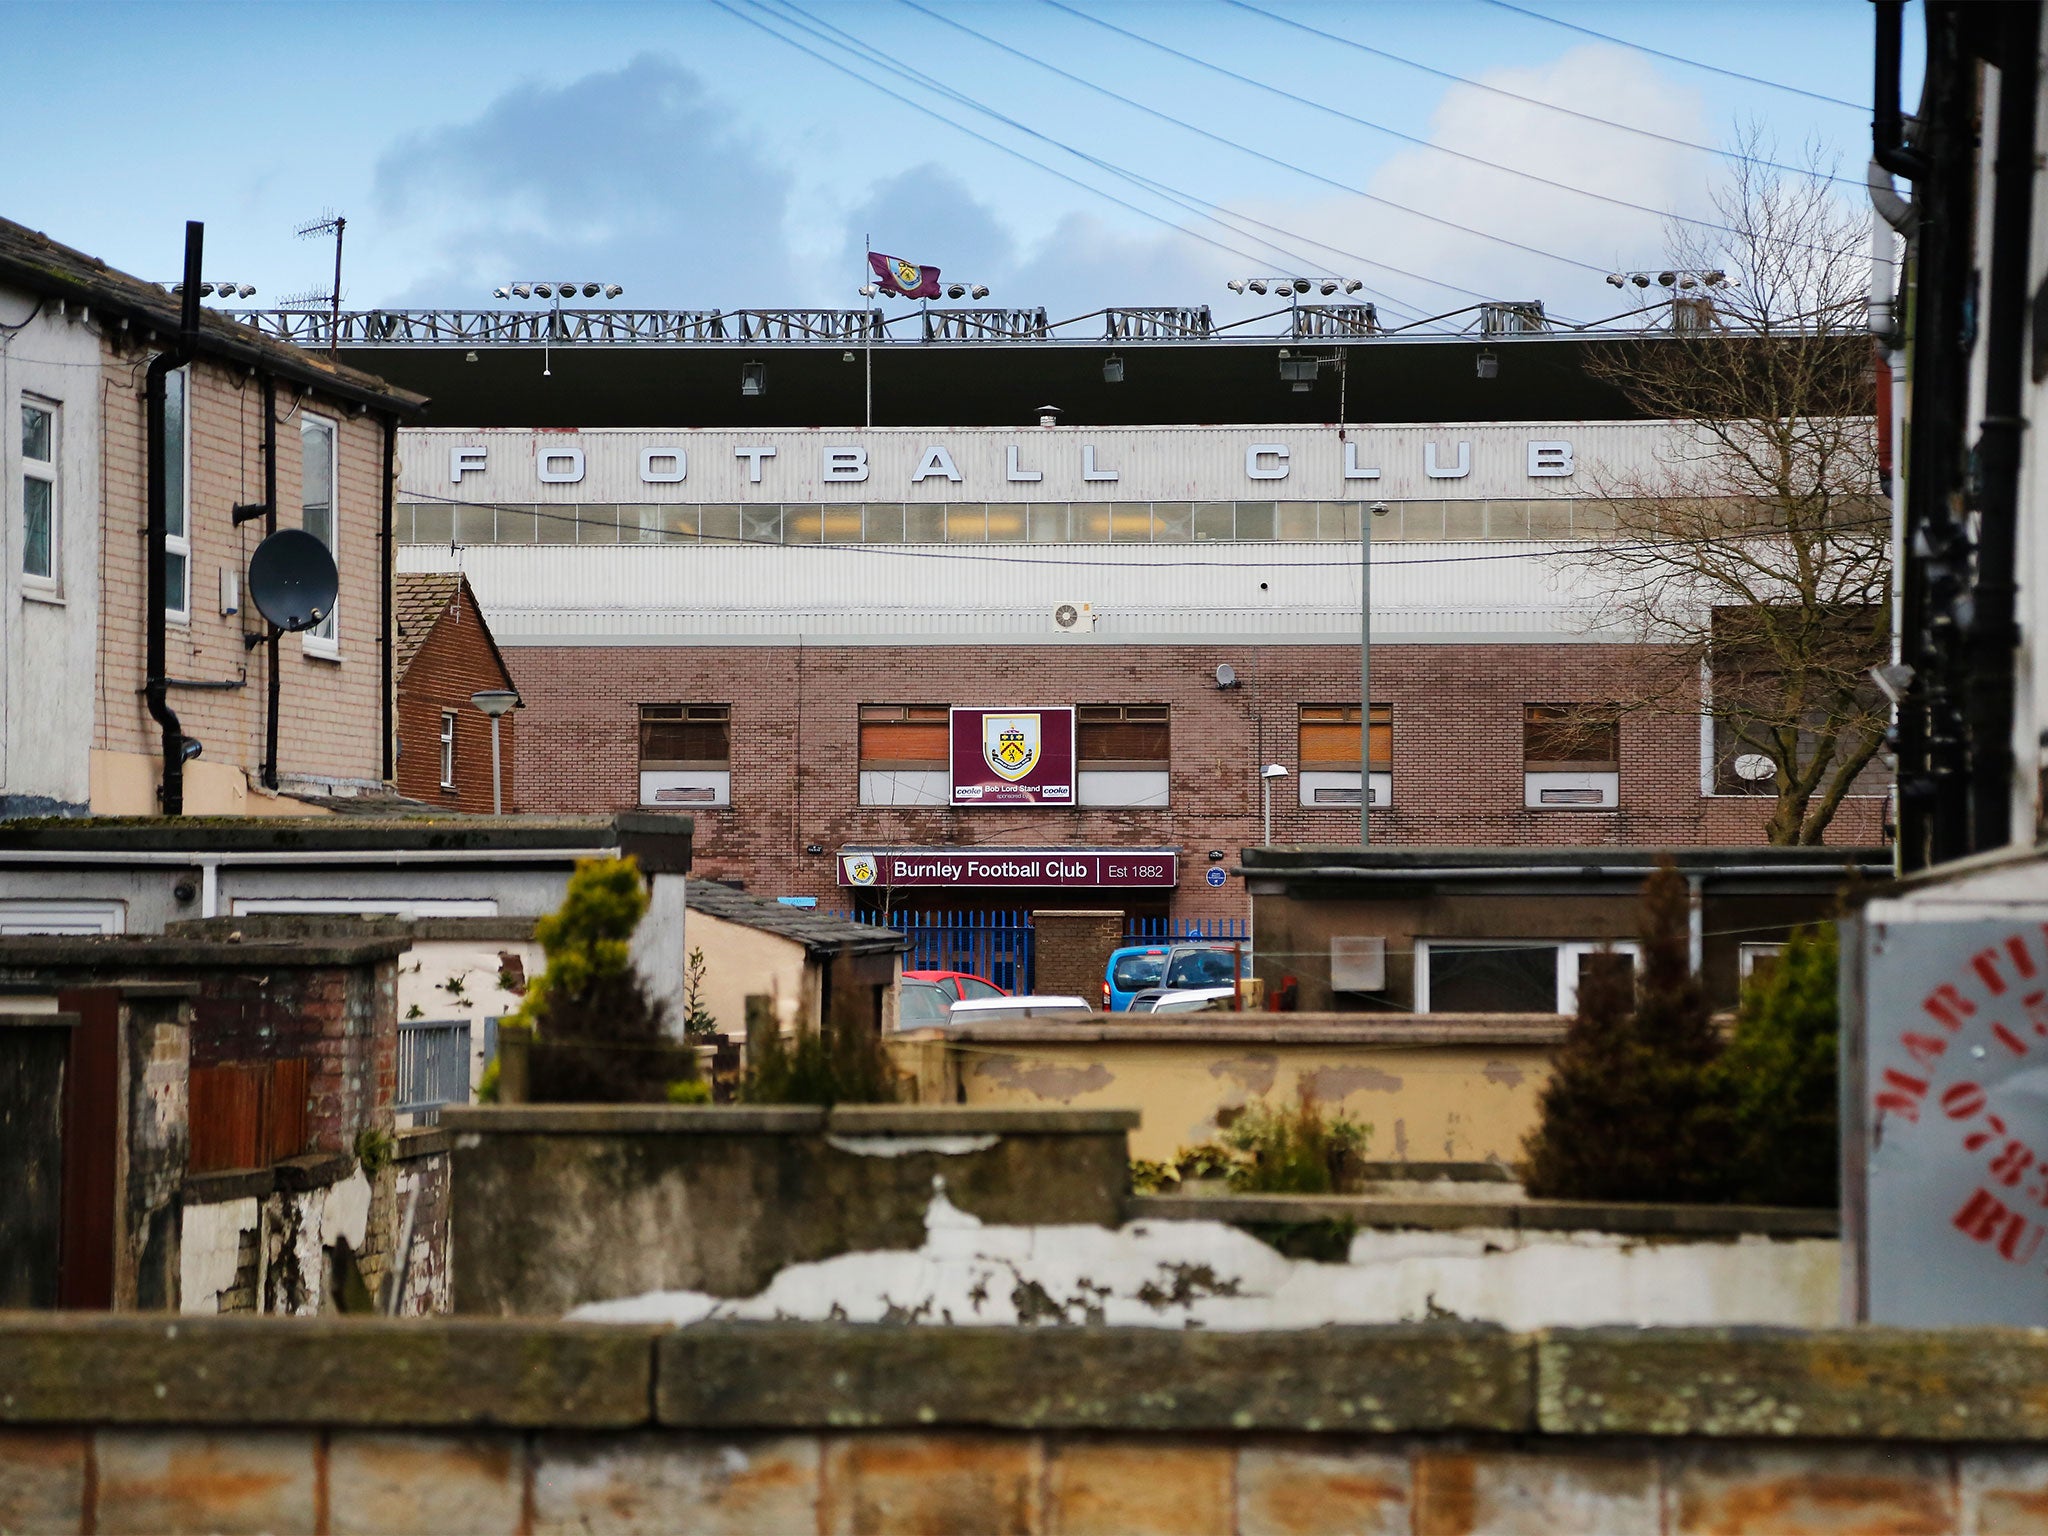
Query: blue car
(1142, 967)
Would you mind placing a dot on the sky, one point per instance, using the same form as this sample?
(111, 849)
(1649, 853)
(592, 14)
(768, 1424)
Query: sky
(700, 157)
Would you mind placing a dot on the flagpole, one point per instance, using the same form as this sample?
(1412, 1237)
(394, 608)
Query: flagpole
(868, 333)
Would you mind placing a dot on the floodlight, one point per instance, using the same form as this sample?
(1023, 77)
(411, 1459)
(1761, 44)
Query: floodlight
(1489, 365)
(1112, 369)
(1616, 280)
(867, 290)
(1352, 285)
(1714, 279)
(1666, 279)
(1641, 279)
(753, 378)
(1258, 285)
(977, 292)
(591, 290)
(522, 290)
(501, 293)
(247, 291)
(544, 290)
(1235, 285)
(567, 290)
(612, 290)
(1329, 286)
(956, 290)
(1302, 285)
(1688, 281)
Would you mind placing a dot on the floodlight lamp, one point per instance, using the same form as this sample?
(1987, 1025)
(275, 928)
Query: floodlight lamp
(753, 378)
(1666, 279)
(566, 290)
(1353, 285)
(1329, 286)
(544, 290)
(1302, 285)
(867, 290)
(247, 291)
(956, 290)
(612, 290)
(1489, 365)
(1688, 281)
(1616, 280)
(1714, 279)
(1112, 369)
(1640, 279)
(977, 292)
(522, 290)
(592, 290)
(1235, 285)
(1258, 285)
(501, 293)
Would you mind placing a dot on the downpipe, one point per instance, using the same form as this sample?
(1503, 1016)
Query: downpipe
(156, 681)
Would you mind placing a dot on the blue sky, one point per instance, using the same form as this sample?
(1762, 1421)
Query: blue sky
(701, 162)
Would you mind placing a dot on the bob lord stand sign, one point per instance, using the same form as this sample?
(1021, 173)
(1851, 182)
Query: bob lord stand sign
(1013, 756)
(1132, 869)
(1945, 1197)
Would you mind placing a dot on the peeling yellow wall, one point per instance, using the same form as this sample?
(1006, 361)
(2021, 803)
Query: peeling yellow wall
(124, 784)
(739, 960)
(1425, 1103)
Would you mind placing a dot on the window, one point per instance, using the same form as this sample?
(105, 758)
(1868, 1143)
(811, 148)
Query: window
(974, 987)
(1779, 674)
(1507, 975)
(39, 493)
(317, 514)
(177, 503)
(904, 754)
(1571, 755)
(447, 749)
(685, 754)
(1757, 960)
(1123, 754)
(1328, 754)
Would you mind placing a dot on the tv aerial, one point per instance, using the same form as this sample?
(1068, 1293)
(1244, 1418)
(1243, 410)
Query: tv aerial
(292, 580)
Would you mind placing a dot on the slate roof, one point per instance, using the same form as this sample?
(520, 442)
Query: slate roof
(419, 599)
(818, 933)
(32, 260)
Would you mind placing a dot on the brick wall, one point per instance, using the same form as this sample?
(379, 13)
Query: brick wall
(422, 1174)
(1457, 756)
(297, 1426)
(329, 720)
(1071, 952)
(453, 662)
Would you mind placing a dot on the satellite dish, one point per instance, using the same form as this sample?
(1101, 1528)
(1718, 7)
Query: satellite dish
(292, 579)
(1755, 767)
(1226, 675)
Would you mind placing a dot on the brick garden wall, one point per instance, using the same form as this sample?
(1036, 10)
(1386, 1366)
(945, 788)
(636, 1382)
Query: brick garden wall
(1457, 755)
(295, 1426)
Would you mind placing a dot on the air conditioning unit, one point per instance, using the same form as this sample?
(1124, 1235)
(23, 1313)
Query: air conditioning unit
(1074, 618)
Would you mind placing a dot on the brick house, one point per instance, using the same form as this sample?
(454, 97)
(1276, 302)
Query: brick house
(76, 730)
(445, 656)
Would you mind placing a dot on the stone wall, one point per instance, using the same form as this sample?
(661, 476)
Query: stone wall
(290, 1427)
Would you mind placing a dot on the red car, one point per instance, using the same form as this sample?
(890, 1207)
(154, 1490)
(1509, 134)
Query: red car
(958, 984)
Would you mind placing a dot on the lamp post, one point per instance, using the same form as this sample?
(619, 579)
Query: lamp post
(1366, 515)
(494, 702)
(1267, 775)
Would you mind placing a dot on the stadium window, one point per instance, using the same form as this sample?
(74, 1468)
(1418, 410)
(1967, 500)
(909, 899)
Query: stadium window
(685, 736)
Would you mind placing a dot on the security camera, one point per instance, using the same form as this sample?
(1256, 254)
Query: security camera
(184, 893)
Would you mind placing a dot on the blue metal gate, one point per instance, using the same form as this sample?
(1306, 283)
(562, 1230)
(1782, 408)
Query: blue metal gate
(1152, 930)
(997, 945)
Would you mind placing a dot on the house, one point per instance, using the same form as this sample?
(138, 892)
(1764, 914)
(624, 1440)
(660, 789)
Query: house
(127, 689)
(451, 753)
(807, 961)
(1477, 931)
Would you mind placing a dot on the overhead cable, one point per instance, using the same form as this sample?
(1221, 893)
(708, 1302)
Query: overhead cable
(1679, 58)
(1258, 154)
(1537, 101)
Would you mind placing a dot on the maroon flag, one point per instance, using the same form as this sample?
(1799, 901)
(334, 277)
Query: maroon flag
(904, 278)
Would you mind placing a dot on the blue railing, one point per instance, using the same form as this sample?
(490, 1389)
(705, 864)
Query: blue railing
(433, 1067)
(1149, 930)
(995, 945)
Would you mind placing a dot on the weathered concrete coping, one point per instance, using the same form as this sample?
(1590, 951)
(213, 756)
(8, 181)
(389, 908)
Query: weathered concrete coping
(1451, 1215)
(293, 1175)
(149, 952)
(421, 1141)
(1965, 1384)
(38, 1020)
(777, 1120)
(1526, 1029)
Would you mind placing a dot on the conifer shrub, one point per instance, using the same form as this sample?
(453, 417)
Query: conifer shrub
(1633, 1108)
(843, 1062)
(598, 1038)
(1779, 1077)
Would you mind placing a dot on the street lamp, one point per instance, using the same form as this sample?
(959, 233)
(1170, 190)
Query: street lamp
(1267, 775)
(1377, 509)
(495, 702)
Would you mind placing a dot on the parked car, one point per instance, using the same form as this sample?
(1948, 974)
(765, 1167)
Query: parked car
(1139, 967)
(983, 1010)
(1184, 1000)
(958, 985)
(922, 1003)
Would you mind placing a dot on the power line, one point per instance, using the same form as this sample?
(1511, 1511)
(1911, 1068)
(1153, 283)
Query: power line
(1186, 200)
(1534, 101)
(1257, 154)
(917, 106)
(1410, 138)
(1679, 58)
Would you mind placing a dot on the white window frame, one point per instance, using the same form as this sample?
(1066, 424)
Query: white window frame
(178, 604)
(1569, 952)
(1748, 953)
(447, 749)
(324, 639)
(44, 471)
(26, 914)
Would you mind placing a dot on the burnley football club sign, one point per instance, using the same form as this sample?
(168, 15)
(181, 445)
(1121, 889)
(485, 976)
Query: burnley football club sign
(1013, 756)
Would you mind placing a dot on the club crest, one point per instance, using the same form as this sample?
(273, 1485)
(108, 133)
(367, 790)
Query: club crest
(908, 273)
(860, 869)
(1010, 745)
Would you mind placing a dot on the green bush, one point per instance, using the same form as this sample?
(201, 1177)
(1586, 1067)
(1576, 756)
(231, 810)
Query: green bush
(1298, 1150)
(1779, 1076)
(842, 1063)
(598, 1038)
(698, 1024)
(1632, 1110)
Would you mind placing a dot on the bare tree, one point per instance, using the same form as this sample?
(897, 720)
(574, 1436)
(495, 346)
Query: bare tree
(1755, 551)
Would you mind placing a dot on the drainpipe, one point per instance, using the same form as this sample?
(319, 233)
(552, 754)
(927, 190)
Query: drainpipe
(155, 682)
(274, 634)
(1994, 636)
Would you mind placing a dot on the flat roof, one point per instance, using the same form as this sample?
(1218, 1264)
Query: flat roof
(511, 835)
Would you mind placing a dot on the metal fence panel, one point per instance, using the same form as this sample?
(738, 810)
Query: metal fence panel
(996, 945)
(433, 1066)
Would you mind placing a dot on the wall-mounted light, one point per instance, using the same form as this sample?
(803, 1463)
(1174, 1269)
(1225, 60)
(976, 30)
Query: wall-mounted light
(1489, 365)
(1112, 369)
(753, 378)
(814, 848)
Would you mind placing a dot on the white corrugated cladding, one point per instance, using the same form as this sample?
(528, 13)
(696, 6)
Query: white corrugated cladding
(1086, 464)
(874, 594)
